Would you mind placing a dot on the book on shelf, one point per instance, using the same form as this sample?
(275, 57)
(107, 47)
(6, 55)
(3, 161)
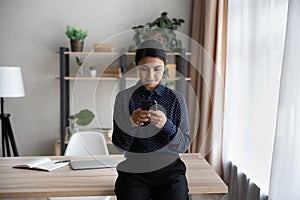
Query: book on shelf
(44, 164)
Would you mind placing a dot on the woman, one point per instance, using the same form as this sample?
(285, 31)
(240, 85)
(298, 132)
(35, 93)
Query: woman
(152, 139)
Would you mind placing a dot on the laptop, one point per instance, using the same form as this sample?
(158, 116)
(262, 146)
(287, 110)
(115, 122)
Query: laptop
(94, 164)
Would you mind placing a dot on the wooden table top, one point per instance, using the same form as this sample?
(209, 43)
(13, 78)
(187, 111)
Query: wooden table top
(24, 183)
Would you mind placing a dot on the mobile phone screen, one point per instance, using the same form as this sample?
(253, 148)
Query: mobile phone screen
(147, 104)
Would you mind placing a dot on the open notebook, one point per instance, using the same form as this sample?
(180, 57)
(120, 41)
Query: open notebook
(94, 164)
(45, 164)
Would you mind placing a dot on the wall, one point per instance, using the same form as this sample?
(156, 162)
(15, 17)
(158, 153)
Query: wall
(32, 32)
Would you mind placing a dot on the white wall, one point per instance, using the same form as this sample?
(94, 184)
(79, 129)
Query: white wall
(31, 32)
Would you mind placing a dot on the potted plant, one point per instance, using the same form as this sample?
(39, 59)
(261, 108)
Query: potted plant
(163, 29)
(76, 36)
(93, 71)
(83, 118)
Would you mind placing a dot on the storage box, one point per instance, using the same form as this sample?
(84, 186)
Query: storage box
(104, 47)
(112, 72)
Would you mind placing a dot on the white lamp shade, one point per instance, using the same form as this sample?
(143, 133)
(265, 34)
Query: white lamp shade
(11, 82)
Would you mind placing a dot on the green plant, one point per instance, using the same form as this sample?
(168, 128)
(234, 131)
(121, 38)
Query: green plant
(165, 22)
(78, 61)
(163, 28)
(83, 118)
(76, 33)
(93, 67)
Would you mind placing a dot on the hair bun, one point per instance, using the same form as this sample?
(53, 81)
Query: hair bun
(151, 48)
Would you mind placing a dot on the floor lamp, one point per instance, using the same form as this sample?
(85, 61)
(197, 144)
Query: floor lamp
(11, 85)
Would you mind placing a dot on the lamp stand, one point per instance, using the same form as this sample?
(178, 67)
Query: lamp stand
(7, 134)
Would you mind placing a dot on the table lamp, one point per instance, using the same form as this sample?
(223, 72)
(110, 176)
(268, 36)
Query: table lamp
(11, 85)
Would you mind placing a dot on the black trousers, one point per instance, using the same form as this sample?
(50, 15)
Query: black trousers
(168, 183)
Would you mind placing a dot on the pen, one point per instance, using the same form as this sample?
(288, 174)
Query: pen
(62, 161)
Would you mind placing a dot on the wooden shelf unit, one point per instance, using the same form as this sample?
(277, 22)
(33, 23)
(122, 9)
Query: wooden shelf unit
(65, 78)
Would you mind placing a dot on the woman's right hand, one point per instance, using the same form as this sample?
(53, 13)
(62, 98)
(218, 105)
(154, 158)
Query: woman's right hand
(139, 117)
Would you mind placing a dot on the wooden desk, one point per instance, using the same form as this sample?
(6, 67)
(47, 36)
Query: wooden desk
(23, 183)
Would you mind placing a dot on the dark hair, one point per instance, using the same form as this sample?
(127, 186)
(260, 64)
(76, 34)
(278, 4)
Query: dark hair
(151, 48)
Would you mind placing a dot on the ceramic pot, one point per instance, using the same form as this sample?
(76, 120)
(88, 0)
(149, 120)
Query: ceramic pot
(77, 45)
(93, 73)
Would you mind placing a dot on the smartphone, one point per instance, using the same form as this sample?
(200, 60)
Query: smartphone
(147, 104)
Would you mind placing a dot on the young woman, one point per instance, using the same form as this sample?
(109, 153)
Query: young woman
(152, 139)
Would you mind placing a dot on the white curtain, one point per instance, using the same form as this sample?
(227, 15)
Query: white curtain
(256, 31)
(285, 174)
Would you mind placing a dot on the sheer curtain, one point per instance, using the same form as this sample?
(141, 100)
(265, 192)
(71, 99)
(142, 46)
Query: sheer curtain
(207, 72)
(285, 174)
(256, 31)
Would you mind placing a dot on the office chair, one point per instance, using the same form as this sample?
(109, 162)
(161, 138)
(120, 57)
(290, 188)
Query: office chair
(87, 143)
(83, 144)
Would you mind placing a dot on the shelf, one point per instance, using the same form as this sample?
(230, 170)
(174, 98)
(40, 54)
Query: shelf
(164, 79)
(116, 53)
(168, 54)
(87, 53)
(74, 78)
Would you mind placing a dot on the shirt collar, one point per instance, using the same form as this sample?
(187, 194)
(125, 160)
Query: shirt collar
(159, 90)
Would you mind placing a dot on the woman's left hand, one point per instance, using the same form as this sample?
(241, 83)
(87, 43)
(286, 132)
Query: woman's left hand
(158, 118)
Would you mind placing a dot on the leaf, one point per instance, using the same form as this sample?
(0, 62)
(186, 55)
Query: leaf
(164, 14)
(84, 117)
(78, 61)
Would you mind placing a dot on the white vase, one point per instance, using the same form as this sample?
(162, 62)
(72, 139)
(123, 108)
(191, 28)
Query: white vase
(93, 73)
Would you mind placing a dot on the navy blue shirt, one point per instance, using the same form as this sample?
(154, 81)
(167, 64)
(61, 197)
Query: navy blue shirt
(172, 138)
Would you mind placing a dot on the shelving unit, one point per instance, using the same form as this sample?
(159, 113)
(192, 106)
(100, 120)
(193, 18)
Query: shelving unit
(65, 79)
